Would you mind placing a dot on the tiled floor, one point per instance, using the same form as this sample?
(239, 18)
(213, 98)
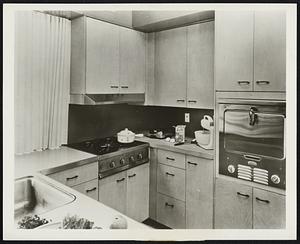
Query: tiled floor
(152, 223)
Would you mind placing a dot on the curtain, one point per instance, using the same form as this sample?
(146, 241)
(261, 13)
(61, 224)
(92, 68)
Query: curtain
(42, 81)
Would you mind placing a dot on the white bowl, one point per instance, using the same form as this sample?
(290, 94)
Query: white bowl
(202, 137)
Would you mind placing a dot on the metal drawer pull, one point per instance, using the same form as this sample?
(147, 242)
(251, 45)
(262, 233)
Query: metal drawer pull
(170, 158)
(192, 101)
(167, 173)
(180, 100)
(169, 205)
(243, 195)
(114, 86)
(262, 200)
(93, 189)
(129, 176)
(192, 163)
(243, 82)
(124, 86)
(262, 82)
(120, 180)
(71, 178)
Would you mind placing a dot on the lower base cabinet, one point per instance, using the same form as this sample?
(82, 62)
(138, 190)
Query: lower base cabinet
(89, 188)
(127, 192)
(170, 212)
(239, 206)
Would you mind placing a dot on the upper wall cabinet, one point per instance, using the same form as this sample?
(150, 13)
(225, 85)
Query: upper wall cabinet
(170, 67)
(184, 66)
(106, 58)
(250, 51)
(200, 65)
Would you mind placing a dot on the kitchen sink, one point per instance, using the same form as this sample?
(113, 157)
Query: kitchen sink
(36, 196)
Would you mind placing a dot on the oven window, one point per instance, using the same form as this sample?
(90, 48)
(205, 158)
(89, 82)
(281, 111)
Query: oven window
(264, 137)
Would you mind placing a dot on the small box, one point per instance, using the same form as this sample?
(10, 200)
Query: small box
(179, 133)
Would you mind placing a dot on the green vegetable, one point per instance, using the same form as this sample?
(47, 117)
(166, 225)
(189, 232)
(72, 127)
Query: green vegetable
(31, 222)
(74, 222)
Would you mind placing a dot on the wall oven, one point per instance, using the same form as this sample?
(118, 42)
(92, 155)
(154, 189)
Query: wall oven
(252, 140)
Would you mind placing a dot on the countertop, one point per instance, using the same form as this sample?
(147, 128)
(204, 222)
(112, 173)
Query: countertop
(30, 163)
(186, 148)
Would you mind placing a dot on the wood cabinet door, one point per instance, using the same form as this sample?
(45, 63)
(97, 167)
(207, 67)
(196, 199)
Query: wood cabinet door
(113, 190)
(89, 188)
(233, 205)
(138, 192)
(102, 57)
(270, 51)
(234, 50)
(268, 210)
(171, 181)
(153, 183)
(132, 61)
(200, 65)
(199, 193)
(170, 67)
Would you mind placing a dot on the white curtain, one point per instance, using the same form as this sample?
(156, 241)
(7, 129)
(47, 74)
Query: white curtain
(42, 81)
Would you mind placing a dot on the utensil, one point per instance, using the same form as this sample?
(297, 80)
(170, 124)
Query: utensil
(126, 136)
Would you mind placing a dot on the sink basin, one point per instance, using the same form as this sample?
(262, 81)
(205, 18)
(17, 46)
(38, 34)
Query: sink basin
(36, 196)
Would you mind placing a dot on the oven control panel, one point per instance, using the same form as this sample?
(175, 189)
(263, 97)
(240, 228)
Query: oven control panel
(122, 162)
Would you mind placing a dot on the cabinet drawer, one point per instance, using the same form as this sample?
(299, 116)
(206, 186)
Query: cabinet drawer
(78, 175)
(170, 212)
(89, 188)
(171, 158)
(171, 181)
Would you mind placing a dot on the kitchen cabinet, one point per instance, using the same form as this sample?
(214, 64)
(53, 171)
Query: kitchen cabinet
(239, 206)
(268, 210)
(170, 67)
(153, 183)
(127, 192)
(200, 65)
(233, 205)
(184, 65)
(199, 193)
(171, 158)
(89, 188)
(102, 57)
(113, 191)
(77, 175)
(132, 61)
(106, 58)
(250, 51)
(138, 192)
(170, 211)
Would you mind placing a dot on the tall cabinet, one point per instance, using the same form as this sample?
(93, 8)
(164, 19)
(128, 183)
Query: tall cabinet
(250, 51)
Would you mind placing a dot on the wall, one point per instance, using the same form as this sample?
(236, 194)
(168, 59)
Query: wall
(88, 122)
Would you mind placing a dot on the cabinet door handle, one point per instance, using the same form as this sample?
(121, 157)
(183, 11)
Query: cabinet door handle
(192, 101)
(124, 86)
(172, 159)
(93, 189)
(114, 86)
(243, 195)
(120, 180)
(262, 82)
(192, 163)
(245, 82)
(169, 205)
(72, 178)
(180, 100)
(262, 200)
(167, 173)
(129, 176)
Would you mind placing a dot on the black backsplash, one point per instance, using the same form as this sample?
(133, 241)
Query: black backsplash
(88, 122)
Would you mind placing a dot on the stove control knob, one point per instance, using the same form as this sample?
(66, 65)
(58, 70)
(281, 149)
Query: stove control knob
(122, 161)
(112, 164)
(131, 159)
(275, 179)
(140, 156)
(231, 168)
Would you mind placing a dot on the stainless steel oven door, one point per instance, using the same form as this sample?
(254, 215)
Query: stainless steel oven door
(254, 130)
